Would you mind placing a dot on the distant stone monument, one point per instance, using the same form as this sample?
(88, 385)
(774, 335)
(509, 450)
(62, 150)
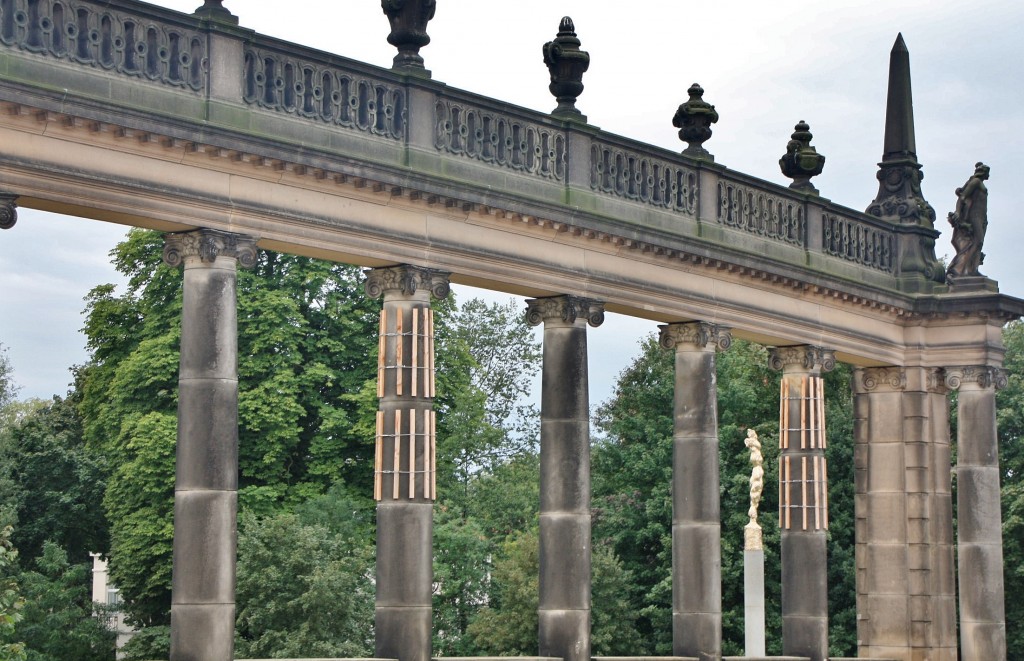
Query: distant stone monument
(969, 221)
(753, 556)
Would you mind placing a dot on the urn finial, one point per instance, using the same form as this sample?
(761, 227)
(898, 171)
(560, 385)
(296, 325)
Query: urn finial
(567, 64)
(215, 10)
(802, 161)
(694, 119)
(409, 20)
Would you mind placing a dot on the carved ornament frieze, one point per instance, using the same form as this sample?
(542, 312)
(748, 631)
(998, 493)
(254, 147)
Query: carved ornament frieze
(695, 333)
(96, 35)
(806, 356)
(286, 84)
(208, 245)
(761, 213)
(640, 178)
(497, 139)
(565, 308)
(407, 279)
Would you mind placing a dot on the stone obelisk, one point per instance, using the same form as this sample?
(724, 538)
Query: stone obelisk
(753, 556)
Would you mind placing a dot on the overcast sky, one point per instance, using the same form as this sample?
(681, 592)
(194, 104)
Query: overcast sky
(765, 66)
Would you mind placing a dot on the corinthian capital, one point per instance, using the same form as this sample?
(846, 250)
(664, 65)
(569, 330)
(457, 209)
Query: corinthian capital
(804, 356)
(695, 333)
(867, 379)
(982, 376)
(565, 308)
(8, 211)
(407, 279)
(207, 245)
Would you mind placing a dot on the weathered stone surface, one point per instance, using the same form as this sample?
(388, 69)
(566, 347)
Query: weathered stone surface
(207, 452)
(202, 632)
(566, 469)
(567, 631)
(204, 548)
(404, 554)
(697, 567)
(695, 480)
(400, 632)
(565, 561)
(701, 632)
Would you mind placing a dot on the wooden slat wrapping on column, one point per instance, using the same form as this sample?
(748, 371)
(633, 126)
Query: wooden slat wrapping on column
(412, 452)
(399, 357)
(382, 351)
(398, 454)
(378, 460)
(415, 352)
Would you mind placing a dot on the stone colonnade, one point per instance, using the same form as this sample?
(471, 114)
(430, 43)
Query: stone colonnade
(905, 573)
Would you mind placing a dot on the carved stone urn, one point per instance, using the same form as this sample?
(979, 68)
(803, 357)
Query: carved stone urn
(567, 64)
(694, 119)
(409, 20)
(214, 9)
(802, 161)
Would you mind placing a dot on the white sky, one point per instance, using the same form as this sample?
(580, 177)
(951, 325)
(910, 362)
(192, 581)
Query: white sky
(765, 66)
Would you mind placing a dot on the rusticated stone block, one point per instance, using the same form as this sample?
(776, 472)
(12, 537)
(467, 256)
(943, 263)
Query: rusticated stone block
(979, 488)
(886, 569)
(886, 518)
(981, 601)
(983, 641)
(886, 621)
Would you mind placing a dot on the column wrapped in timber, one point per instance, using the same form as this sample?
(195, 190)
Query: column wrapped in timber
(904, 520)
(979, 521)
(696, 517)
(206, 471)
(405, 458)
(803, 499)
(564, 609)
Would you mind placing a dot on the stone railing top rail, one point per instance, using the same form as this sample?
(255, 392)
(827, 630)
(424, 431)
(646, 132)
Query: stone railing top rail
(130, 62)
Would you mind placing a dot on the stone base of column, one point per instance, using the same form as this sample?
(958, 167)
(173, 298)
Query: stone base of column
(565, 634)
(202, 632)
(401, 631)
(403, 613)
(805, 595)
(699, 634)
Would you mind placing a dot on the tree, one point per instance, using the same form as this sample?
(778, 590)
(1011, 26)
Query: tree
(59, 622)
(1010, 413)
(304, 589)
(11, 601)
(7, 388)
(54, 484)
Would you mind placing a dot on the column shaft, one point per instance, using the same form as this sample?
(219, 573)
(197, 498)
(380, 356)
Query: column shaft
(979, 523)
(405, 459)
(696, 517)
(904, 522)
(803, 500)
(206, 474)
(564, 606)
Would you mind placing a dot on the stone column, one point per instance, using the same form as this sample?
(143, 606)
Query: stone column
(696, 518)
(803, 499)
(206, 472)
(905, 581)
(405, 461)
(979, 521)
(564, 611)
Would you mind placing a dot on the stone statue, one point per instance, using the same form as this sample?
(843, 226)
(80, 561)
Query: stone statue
(969, 221)
(756, 475)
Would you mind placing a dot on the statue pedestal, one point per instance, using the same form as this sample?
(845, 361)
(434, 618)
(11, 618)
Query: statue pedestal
(972, 283)
(753, 591)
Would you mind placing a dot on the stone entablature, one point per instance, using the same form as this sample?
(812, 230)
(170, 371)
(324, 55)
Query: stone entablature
(425, 129)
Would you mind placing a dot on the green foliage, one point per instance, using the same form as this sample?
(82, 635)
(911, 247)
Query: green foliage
(1010, 416)
(54, 484)
(59, 622)
(304, 589)
(461, 573)
(11, 601)
(148, 644)
(8, 390)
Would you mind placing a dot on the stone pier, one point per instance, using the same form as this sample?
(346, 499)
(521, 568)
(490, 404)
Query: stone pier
(803, 499)
(696, 519)
(405, 461)
(979, 533)
(206, 473)
(564, 610)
